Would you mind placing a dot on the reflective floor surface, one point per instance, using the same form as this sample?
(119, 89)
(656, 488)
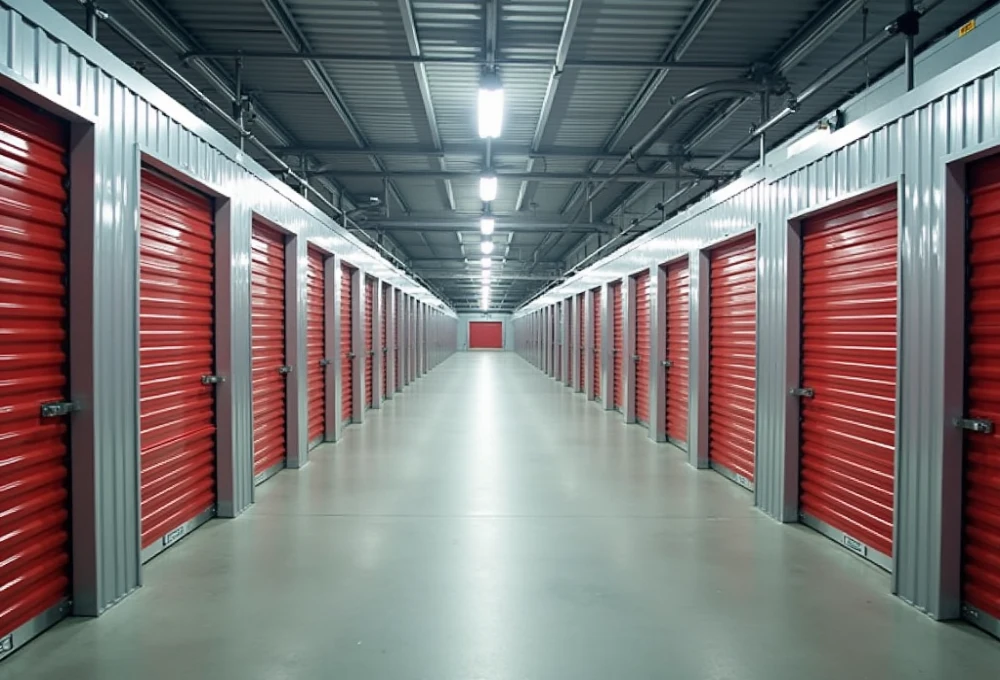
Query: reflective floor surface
(489, 524)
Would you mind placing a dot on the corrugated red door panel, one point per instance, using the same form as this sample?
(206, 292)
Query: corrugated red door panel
(398, 328)
(386, 292)
(581, 316)
(369, 339)
(176, 348)
(678, 326)
(346, 342)
(617, 346)
(316, 344)
(981, 539)
(849, 360)
(732, 361)
(597, 342)
(485, 335)
(267, 301)
(642, 347)
(34, 466)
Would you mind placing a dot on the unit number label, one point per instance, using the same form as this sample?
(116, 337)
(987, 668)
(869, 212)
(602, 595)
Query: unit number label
(856, 545)
(743, 481)
(7, 644)
(173, 536)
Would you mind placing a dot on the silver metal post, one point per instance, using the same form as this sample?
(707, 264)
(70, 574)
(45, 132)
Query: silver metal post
(908, 50)
(91, 14)
(765, 113)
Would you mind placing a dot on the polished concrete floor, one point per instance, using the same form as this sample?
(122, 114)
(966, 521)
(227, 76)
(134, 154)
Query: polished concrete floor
(488, 524)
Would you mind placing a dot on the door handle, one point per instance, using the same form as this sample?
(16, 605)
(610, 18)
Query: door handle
(806, 392)
(284, 370)
(324, 362)
(666, 364)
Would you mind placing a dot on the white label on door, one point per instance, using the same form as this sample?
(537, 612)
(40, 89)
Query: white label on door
(856, 545)
(173, 536)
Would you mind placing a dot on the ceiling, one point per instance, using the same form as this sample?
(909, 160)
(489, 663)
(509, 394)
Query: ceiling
(375, 102)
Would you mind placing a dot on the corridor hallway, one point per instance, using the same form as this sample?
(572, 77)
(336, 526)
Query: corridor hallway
(490, 524)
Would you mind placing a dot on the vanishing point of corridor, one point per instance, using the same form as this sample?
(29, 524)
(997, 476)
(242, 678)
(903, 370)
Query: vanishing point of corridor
(489, 524)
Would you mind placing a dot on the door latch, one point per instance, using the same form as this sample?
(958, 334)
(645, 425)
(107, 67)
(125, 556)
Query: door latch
(979, 425)
(385, 350)
(212, 379)
(666, 364)
(635, 358)
(284, 370)
(351, 355)
(56, 409)
(806, 392)
(324, 362)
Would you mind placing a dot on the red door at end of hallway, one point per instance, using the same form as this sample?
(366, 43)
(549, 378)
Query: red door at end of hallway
(981, 492)
(34, 458)
(370, 289)
(316, 345)
(848, 375)
(176, 353)
(617, 347)
(642, 348)
(677, 369)
(597, 342)
(732, 359)
(485, 335)
(346, 343)
(267, 304)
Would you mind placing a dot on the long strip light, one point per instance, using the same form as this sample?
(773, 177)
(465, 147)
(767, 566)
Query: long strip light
(487, 225)
(490, 106)
(486, 246)
(486, 262)
(488, 188)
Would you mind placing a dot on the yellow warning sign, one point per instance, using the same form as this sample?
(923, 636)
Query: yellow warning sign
(967, 28)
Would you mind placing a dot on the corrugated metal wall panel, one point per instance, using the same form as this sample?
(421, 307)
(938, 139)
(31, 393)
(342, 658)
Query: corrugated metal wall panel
(384, 335)
(316, 344)
(677, 337)
(581, 315)
(617, 346)
(369, 324)
(642, 348)
(597, 342)
(347, 358)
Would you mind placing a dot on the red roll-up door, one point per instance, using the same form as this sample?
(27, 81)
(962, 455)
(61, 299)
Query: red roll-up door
(34, 454)
(369, 341)
(267, 304)
(848, 426)
(176, 349)
(676, 373)
(617, 346)
(581, 317)
(316, 344)
(346, 343)
(732, 367)
(642, 348)
(597, 342)
(485, 335)
(386, 292)
(981, 533)
(398, 330)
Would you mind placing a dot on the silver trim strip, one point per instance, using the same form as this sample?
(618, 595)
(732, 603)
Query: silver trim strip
(268, 473)
(877, 558)
(733, 477)
(175, 535)
(11, 642)
(981, 619)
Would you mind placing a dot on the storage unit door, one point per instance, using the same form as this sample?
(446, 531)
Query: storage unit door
(386, 292)
(732, 359)
(316, 345)
(848, 425)
(34, 450)
(267, 352)
(581, 315)
(617, 347)
(642, 347)
(485, 335)
(176, 350)
(369, 340)
(677, 370)
(597, 343)
(346, 347)
(981, 533)
(397, 329)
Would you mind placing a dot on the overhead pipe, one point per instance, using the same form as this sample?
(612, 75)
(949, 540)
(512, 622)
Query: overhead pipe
(888, 32)
(284, 168)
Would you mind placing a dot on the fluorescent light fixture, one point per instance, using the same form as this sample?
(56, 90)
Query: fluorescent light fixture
(487, 225)
(490, 106)
(486, 276)
(485, 292)
(486, 262)
(486, 246)
(488, 187)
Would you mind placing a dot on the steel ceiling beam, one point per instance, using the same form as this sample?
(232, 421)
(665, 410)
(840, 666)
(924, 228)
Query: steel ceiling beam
(289, 28)
(404, 150)
(416, 221)
(420, 72)
(682, 41)
(514, 176)
(347, 58)
(562, 53)
(811, 35)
